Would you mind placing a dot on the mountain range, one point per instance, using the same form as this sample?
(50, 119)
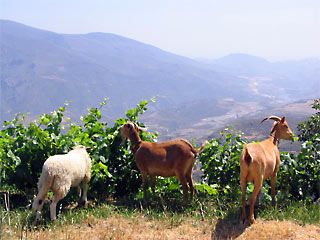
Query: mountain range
(41, 70)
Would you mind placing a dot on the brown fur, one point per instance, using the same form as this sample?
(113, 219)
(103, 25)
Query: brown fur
(167, 159)
(260, 161)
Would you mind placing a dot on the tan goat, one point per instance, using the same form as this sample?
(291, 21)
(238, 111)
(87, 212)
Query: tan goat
(260, 161)
(167, 159)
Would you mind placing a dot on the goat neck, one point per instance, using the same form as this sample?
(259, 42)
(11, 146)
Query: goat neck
(135, 140)
(274, 140)
(273, 134)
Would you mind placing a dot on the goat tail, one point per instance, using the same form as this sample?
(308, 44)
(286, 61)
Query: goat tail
(44, 184)
(246, 156)
(203, 146)
(197, 151)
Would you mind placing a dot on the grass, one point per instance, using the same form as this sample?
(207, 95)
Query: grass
(298, 212)
(163, 219)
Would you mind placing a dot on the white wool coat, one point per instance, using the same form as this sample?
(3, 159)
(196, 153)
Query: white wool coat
(68, 169)
(60, 172)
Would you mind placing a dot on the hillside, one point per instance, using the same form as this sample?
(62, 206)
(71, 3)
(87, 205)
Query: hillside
(286, 80)
(41, 70)
(212, 116)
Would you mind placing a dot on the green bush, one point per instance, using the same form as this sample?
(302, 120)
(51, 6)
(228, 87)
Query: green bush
(300, 175)
(24, 148)
(220, 164)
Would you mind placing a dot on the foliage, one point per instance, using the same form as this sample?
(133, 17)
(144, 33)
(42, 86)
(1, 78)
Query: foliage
(24, 148)
(299, 175)
(304, 169)
(220, 164)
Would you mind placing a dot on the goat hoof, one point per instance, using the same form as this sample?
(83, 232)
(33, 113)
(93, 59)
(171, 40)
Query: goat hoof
(83, 204)
(252, 221)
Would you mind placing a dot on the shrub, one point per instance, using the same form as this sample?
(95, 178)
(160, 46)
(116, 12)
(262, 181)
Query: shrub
(24, 148)
(220, 164)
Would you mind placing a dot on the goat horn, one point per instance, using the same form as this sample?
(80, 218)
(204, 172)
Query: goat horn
(275, 118)
(139, 128)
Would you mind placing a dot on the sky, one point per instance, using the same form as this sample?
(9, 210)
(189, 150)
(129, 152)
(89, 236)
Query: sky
(273, 29)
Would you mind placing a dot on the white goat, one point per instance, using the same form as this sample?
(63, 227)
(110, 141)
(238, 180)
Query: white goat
(59, 173)
(260, 161)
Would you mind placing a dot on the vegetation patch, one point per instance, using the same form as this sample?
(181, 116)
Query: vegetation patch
(115, 194)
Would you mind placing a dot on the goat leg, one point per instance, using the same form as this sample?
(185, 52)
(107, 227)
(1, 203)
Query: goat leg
(153, 185)
(257, 187)
(183, 182)
(243, 183)
(144, 183)
(273, 189)
(191, 186)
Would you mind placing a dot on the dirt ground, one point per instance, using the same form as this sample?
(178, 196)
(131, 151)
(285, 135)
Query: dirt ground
(117, 227)
(265, 230)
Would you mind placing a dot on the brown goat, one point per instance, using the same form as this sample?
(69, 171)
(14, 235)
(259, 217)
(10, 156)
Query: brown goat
(167, 159)
(260, 161)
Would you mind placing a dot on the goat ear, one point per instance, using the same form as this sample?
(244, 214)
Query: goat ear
(283, 119)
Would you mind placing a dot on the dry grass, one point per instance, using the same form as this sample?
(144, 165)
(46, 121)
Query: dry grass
(119, 227)
(140, 227)
(280, 230)
(265, 230)
(109, 221)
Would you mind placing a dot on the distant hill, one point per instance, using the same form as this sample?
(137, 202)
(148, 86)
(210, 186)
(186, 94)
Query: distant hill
(285, 80)
(240, 116)
(41, 70)
(243, 63)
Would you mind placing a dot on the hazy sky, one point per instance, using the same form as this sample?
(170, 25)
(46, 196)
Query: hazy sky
(274, 29)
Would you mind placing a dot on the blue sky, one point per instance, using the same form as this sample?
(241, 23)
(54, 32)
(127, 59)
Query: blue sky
(274, 29)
